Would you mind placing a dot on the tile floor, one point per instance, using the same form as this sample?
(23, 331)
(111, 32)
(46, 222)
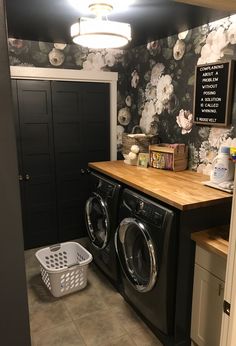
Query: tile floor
(95, 316)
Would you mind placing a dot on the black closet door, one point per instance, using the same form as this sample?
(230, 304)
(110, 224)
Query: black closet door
(36, 161)
(81, 120)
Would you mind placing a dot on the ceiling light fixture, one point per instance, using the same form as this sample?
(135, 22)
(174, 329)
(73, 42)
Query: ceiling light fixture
(99, 32)
(117, 5)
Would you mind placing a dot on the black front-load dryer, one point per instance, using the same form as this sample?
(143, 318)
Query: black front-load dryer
(101, 215)
(146, 247)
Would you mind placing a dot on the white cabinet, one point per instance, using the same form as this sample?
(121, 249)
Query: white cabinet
(208, 297)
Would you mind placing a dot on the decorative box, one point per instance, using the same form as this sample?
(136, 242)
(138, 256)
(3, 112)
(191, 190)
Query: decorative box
(173, 157)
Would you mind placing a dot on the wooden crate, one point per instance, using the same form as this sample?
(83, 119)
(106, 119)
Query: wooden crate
(169, 156)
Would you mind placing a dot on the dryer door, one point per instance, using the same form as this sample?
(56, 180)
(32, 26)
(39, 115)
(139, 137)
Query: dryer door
(97, 221)
(136, 253)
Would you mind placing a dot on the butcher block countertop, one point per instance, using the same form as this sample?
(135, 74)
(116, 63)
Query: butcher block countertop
(213, 239)
(182, 190)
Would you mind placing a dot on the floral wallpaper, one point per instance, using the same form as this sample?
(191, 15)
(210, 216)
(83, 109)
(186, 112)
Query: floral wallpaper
(155, 84)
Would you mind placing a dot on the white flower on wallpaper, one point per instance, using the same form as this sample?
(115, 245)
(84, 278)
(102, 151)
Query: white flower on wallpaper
(95, 61)
(218, 136)
(153, 47)
(128, 101)
(56, 57)
(124, 116)
(204, 168)
(179, 50)
(232, 33)
(15, 42)
(203, 132)
(164, 89)
(182, 35)
(159, 107)
(119, 131)
(147, 117)
(212, 51)
(185, 121)
(14, 61)
(207, 153)
(233, 18)
(111, 56)
(150, 92)
(60, 46)
(110, 59)
(156, 73)
(134, 79)
(224, 23)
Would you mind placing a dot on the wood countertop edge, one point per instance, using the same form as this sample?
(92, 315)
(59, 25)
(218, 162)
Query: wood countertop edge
(209, 240)
(182, 207)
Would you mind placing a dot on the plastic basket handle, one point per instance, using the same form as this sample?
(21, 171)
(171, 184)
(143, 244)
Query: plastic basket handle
(55, 247)
(73, 265)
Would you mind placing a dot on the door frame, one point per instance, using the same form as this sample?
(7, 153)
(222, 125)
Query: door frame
(228, 329)
(40, 73)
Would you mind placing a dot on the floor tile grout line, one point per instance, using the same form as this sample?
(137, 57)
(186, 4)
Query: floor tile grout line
(78, 332)
(47, 329)
(65, 323)
(74, 318)
(123, 334)
(70, 320)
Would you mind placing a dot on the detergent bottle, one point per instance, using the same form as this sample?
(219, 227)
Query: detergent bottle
(222, 166)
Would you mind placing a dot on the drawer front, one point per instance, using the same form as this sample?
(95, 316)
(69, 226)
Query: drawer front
(212, 262)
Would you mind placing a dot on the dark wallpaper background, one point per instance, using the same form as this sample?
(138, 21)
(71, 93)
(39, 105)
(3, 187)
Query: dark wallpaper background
(155, 84)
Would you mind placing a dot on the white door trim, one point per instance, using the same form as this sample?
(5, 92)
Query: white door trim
(228, 329)
(40, 73)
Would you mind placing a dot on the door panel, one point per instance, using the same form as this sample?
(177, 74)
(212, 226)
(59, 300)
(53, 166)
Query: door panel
(61, 126)
(17, 132)
(37, 162)
(208, 297)
(68, 134)
(81, 132)
(97, 121)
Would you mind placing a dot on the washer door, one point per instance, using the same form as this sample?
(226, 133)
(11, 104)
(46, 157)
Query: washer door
(97, 220)
(136, 253)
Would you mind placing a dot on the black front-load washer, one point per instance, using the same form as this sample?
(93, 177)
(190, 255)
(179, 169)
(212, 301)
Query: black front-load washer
(101, 215)
(147, 249)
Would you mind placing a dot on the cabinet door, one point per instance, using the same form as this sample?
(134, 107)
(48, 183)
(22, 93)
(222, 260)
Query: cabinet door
(81, 134)
(36, 161)
(207, 307)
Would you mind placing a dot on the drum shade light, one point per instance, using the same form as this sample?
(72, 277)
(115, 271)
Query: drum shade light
(100, 32)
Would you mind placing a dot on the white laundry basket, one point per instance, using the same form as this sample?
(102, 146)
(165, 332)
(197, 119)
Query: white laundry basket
(64, 267)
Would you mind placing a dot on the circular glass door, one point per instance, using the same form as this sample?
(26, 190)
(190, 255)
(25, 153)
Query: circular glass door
(136, 253)
(97, 220)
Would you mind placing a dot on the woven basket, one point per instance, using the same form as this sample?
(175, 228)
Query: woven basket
(142, 142)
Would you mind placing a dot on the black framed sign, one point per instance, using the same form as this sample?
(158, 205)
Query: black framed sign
(213, 94)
